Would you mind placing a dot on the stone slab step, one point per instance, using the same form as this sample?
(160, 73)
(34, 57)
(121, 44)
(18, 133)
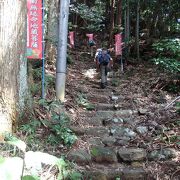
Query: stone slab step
(113, 173)
(105, 106)
(109, 114)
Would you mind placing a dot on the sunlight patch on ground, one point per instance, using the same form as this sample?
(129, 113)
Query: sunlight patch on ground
(90, 73)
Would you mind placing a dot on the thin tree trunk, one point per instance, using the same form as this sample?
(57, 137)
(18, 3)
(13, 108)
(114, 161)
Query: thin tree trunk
(112, 22)
(127, 32)
(128, 27)
(119, 14)
(137, 29)
(52, 30)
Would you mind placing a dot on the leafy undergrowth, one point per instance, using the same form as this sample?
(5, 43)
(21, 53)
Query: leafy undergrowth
(31, 165)
(46, 127)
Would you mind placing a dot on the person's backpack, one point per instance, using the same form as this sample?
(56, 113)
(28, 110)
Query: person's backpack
(103, 58)
(91, 43)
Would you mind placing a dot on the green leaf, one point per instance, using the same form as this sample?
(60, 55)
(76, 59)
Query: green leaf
(10, 139)
(28, 177)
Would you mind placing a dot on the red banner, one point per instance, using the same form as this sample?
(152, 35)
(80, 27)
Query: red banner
(34, 29)
(118, 44)
(90, 36)
(71, 38)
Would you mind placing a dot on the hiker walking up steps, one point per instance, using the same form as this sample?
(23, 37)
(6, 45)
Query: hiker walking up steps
(104, 62)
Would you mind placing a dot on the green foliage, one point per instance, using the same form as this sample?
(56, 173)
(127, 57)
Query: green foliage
(28, 177)
(172, 65)
(178, 109)
(35, 88)
(168, 54)
(92, 16)
(82, 101)
(75, 176)
(10, 139)
(31, 127)
(49, 81)
(57, 128)
(62, 132)
(115, 82)
(14, 168)
(169, 47)
(69, 59)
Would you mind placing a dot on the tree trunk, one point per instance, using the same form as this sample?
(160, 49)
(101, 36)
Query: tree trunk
(137, 29)
(119, 15)
(111, 22)
(52, 30)
(127, 30)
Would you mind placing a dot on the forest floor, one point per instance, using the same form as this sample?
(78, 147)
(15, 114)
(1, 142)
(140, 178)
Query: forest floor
(126, 130)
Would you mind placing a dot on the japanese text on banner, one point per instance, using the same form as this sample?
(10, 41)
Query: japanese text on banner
(34, 29)
(118, 44)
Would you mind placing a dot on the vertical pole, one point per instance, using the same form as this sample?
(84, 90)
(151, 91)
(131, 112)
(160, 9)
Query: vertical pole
(62, 50)
(43, 53)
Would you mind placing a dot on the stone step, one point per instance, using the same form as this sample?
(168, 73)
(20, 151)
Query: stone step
(109, 114)
(105, 106)
(113, 173)
(107, 155)
(113, 106)
(94, 98)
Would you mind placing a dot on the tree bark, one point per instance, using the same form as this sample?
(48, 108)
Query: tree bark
(119, 15)
(52, 30)
(112, 22)
(137, 29)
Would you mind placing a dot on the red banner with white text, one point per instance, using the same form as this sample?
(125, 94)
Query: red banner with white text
(71, 38)
(118, 44)
(90, 36)
(34, 29)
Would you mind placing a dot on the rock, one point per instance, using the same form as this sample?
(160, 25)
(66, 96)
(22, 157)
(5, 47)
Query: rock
(112, 172)
(129, 121)
(114, 98)
(111, 114)
(95, 141)
(122, 131)
(109, 141)
(136, 164)
(142, 130)
(154, 155)
(94, 121)
(113, 121)
(11, 168)
(165, 154)
(122, 141)
(101, 154)
(97, 131)
(142, 111)
(117, 131)
(79, 156)
(94, 175)
(169, 153)
(103, 106)
(131, 154)
(128, 132)
(78, 130)
(134, 174)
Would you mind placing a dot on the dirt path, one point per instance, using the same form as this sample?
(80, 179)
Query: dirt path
(123, 131)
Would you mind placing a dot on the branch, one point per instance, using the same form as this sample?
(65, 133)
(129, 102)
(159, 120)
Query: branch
(172, 103)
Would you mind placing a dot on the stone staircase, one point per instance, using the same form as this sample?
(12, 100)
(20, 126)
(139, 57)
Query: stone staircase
(110, 145)
(107, 133)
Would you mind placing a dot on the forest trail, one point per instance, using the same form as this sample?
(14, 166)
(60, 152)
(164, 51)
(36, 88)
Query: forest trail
(123, 131)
